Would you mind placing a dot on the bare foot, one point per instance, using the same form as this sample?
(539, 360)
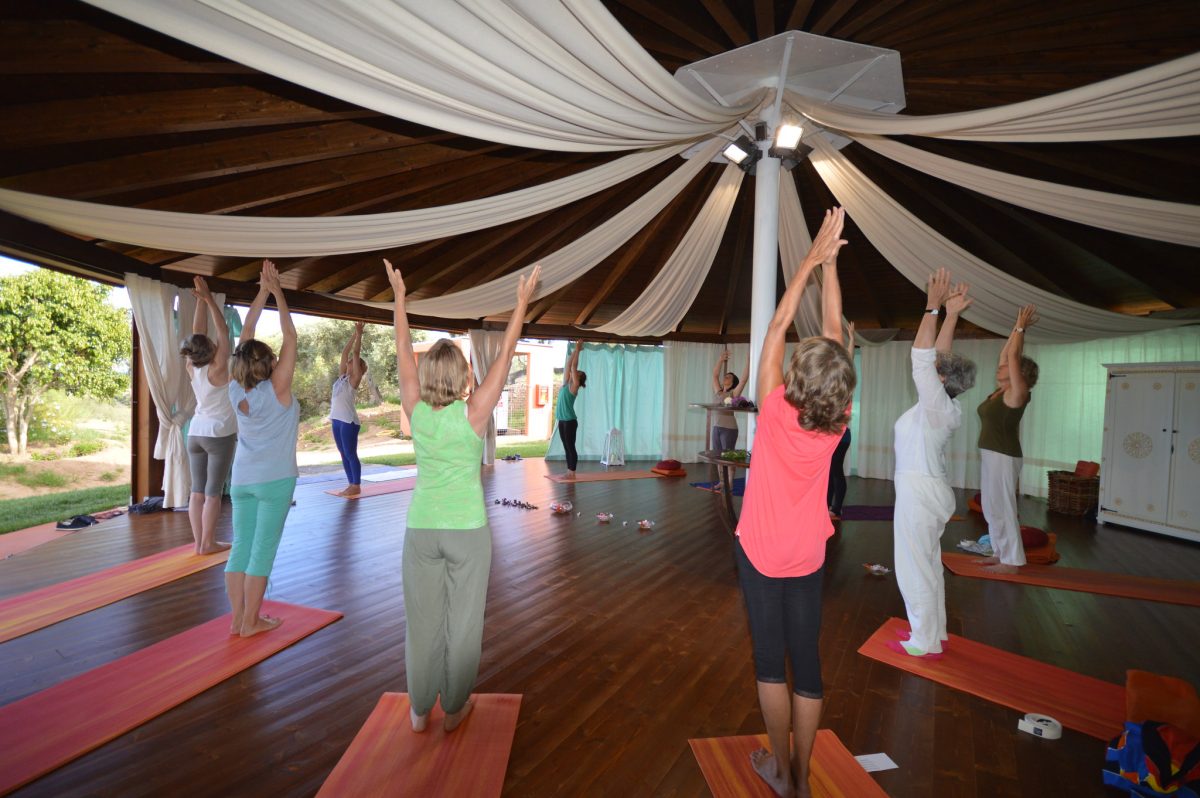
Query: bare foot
(1000, 568)
(264, 623)
(988, 561)
(455, 719)
(418, 721)
(351, 490)
(767, 768)
(217, 547)
(235, 628)
(570, 475)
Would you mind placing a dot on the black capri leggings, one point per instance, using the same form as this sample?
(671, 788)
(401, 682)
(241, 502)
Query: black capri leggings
(567, 430)
(785, 623)
(837, 474)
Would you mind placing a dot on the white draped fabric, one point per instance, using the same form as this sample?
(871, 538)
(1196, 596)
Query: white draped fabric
(688, 378)
(159, 326)
(565, 265)
(666, 300)
(546, 74)
(1161, 101)
(1165, 221)
(915, 249)
(794, 244)
(485, 348)
(311, 236)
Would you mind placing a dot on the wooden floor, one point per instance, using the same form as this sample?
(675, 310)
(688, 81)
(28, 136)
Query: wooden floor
(623, 644)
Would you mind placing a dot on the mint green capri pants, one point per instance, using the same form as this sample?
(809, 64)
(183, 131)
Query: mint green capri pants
(445, 589)
(259, 511)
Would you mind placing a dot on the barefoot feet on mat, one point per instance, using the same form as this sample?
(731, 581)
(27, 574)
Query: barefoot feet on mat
(904, 635)
(988, 561)
(351, 490)
(264, 623)
(418, 721)
(570, 475)
(767, 768)
(217, 547)
(912, 651)
(1000, 568)
(455, 719)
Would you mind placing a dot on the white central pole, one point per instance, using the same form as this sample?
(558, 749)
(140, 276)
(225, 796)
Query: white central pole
(765, 268)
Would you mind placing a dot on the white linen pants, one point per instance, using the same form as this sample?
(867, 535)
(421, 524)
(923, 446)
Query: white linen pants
(923, 506)
(999, 478)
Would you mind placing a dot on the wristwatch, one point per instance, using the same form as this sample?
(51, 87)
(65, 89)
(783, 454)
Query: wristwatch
(1019, 329)
(932, 311)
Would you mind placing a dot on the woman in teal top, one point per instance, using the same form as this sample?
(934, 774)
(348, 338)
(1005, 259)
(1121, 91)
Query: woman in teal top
(448, 544)
(564, 411)
(264, 463)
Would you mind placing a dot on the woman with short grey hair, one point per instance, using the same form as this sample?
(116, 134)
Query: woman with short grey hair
(924, 500)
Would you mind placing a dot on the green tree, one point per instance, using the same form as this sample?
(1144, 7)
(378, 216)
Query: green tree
(57, 331)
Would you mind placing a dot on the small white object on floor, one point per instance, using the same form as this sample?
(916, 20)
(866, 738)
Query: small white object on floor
(385, 476)
(975, 547)
(874, 762)
(1040, 726)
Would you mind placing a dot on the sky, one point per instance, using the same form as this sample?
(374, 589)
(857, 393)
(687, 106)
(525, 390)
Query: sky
(268, 324)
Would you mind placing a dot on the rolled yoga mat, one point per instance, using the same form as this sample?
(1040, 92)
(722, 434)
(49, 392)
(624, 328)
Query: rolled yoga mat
(28, 612)
(379, 488)
(833, 772)
(48, 729)
(1171, 591)
(605, 476)
(388, 758)
(1076, 701)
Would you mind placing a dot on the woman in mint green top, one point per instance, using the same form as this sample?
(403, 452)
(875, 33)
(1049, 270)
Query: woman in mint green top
(447, 543)
(564, 410)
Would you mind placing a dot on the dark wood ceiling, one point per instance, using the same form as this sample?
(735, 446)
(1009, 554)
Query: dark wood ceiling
(98, 108)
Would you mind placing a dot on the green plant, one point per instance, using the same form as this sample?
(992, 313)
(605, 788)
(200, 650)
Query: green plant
(84, 448)
(11, 470)
(109, 476)
(23, 513)
(44, 457)
(43, 479)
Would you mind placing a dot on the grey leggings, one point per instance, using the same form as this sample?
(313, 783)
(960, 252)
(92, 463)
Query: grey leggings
(210, 459)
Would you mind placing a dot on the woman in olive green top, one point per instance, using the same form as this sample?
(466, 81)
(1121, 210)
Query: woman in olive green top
(1000, 446)
(448, 544)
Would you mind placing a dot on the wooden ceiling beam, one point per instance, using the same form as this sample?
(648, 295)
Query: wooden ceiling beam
(251, 153)
(724, 17)
(764, 18)
(827, 21)
(156, 113)
(799, 14)
(671, 22)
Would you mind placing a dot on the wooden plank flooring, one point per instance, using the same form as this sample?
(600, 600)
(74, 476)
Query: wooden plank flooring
(624, 645)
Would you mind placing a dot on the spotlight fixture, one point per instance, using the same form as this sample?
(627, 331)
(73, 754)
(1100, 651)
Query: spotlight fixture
(743, 152)
(787, 146)
(788, 136)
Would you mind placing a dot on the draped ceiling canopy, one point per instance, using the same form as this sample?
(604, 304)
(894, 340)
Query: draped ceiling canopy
(1046, 151)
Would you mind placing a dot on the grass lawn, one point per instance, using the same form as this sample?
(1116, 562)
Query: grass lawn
(527, 449)
(23, 513)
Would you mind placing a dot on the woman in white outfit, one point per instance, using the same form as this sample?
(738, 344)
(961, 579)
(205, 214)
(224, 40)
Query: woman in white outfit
(924, 500)
(212, 434)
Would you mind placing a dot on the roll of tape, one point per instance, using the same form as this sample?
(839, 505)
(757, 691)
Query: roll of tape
(1040, 726)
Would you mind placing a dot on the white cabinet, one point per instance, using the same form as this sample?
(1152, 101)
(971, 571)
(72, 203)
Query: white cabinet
(1150, 471)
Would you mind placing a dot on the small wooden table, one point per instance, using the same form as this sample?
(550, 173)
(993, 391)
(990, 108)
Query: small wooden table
(725, 468)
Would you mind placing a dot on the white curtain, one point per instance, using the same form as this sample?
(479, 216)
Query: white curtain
(160, 329)
(546, 74)
(1165, 221)
(485, 348)
(687, 379)
(667, 298)
(310, 236)
(915, 249)
(565, 265)
(1161, 101)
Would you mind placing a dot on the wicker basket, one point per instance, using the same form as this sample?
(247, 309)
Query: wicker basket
(1072, 495)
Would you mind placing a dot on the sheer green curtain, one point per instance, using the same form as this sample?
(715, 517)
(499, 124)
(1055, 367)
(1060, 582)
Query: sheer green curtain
(1063, 424)
(624, 390)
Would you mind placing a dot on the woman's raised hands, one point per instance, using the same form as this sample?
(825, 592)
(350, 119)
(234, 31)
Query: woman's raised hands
(527, 285)
(270, 278)
(395, 279)
(829, 238)
(1027, 316)
(958, 301)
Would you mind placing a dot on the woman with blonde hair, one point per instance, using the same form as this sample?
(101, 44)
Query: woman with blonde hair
(264, 467)
(212, 433)
(343, 415)
(448, 543)
(780, 546)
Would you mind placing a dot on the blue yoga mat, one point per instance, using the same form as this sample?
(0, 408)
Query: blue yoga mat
(739, 486)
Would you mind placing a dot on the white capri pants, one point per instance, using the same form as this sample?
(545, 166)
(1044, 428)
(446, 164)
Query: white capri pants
(923, 506)
(1000, 476)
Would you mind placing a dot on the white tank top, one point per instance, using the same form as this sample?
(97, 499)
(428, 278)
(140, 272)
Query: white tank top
(341, 404)
(214, 416)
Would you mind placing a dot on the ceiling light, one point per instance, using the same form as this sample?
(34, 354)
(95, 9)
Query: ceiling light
(735, 153)
(788, 136)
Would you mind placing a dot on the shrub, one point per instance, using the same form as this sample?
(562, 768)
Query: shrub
(44, 457)
(84, 448)
(43, 479)
(109, 476)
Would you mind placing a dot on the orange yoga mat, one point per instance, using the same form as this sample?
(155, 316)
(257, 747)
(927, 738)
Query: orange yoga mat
(49, 729)
(28, 612)
(605, 476)
(1172, 591)
(833, 772)
(1078, 702)
(380, 488)
(388, 758)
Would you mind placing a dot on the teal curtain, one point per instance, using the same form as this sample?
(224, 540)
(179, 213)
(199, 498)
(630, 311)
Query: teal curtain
(624, 390)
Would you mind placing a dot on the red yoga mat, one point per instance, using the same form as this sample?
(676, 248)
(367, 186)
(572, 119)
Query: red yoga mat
(29, 612)
(388, 758)
(1076, 701)
(605, 476)
(379, 488)
(833, 772)
(1171, 591)
(47, 730)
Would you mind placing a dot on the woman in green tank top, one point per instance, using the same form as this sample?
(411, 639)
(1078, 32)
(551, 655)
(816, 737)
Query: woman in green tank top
(447, 544)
